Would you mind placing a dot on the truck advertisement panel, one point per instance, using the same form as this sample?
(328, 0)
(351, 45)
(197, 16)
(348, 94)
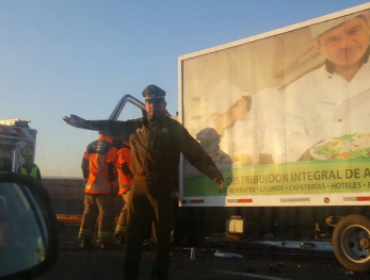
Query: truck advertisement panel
(285, 115)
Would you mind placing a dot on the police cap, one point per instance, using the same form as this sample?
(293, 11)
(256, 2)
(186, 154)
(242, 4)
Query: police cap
(152, 92)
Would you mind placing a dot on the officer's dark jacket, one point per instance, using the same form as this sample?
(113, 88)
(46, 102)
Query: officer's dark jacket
(156, 147)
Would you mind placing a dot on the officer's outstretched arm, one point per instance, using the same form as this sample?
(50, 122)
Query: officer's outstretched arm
(76, 121)
(116, 129)
(198, 157)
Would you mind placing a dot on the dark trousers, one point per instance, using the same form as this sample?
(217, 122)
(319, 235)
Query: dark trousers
(149, 201)
(121, 227)
(98, 205)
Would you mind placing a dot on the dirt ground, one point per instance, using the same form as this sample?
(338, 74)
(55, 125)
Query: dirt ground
(255, 261)
(67, 196)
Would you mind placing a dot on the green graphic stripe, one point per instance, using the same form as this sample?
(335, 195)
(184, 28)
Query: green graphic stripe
(316, 177)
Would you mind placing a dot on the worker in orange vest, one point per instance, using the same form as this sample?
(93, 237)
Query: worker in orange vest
(98, 167)
(124, 180)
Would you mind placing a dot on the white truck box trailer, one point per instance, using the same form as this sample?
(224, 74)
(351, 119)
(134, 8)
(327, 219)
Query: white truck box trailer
(285, 115)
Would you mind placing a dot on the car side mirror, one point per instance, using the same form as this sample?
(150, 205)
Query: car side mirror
(28, 239)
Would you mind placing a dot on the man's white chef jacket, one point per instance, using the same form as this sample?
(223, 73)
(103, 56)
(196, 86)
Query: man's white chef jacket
(321, 105)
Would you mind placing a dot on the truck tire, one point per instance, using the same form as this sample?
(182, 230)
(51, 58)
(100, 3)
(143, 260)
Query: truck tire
(351, 243)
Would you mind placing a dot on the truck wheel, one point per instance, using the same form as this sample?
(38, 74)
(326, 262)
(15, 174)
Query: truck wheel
(351, 243)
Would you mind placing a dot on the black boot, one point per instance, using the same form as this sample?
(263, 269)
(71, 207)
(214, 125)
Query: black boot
(119, 239)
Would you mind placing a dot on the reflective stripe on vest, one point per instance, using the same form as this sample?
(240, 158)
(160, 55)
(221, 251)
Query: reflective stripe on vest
(97, 189)
(33, 172)
(100, 179)
(123, 189)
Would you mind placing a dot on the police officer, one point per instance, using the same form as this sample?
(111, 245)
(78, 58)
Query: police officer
(156, 142)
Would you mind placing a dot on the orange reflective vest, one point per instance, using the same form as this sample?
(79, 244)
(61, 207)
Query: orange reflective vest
(100, 152)
(123, 158)
(86, 155)
(85, 166)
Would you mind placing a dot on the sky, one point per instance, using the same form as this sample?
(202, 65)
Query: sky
(81, 56)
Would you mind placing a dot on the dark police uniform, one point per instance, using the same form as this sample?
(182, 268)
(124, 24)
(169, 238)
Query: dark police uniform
(155, 153)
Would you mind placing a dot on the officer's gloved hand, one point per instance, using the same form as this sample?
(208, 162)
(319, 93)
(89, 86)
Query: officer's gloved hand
(75, 121)
(217, 176)
(214, 172)
(220, 182)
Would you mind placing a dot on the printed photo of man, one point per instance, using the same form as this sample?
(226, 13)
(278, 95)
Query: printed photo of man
(333, 100)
